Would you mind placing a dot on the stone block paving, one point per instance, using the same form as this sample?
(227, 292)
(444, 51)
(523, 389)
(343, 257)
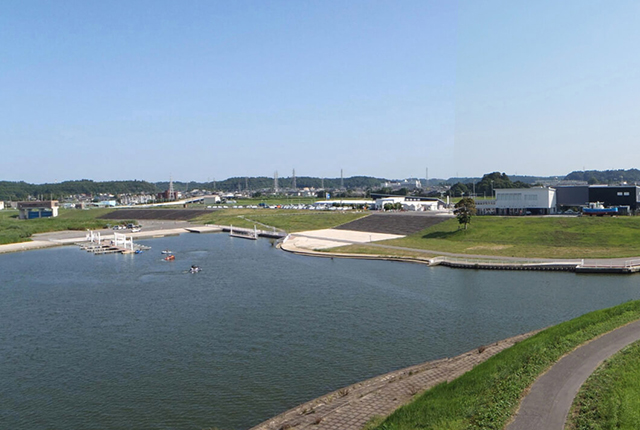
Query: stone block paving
(350, 408)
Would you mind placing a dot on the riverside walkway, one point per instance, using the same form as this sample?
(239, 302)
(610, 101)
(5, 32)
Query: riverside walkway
(547, 404)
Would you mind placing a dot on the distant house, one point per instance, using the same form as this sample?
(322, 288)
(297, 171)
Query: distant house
(525, 201)
(1, 205)
(38, 209)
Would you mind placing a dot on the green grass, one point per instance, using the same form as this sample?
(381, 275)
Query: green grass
(610, 398)
(287, 220)
(547, 237)
(14, 230)
(487, 396)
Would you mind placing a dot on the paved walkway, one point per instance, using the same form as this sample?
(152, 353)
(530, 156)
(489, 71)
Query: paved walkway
(547, 404)
(350, 408)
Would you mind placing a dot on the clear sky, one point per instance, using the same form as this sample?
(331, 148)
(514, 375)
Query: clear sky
(212, 89)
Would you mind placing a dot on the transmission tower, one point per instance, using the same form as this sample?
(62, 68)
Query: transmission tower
(275, 182)
(171, 192)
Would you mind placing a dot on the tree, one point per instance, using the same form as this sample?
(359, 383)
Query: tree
(464, 210)
(458, 189)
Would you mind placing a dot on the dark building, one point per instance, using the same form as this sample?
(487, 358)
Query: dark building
(572, 196)
(621, 195)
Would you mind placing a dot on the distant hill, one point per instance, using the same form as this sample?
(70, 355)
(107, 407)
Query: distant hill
(22, 190)
(263, 183)
(605, 176)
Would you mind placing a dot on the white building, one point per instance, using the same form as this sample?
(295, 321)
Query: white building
(485, 206)
(525, 201)
(412, 203)
(1, 205)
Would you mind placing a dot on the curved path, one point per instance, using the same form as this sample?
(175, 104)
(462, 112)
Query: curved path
(547, 404)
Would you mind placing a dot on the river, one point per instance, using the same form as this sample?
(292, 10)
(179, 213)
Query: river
(132, 341)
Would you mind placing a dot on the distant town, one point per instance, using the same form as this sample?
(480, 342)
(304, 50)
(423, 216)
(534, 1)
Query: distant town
(494, 193)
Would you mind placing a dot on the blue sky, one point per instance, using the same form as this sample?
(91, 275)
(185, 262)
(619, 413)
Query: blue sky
(212, 89)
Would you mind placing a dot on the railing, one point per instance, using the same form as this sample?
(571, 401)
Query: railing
(626, 265)
(504, 262)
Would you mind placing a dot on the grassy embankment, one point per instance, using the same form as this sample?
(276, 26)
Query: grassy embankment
(527, 237)
(283, 219)
(610, 399)
(13, 230)
(487, 396)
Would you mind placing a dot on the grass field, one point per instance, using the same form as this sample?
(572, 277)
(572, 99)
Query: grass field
(547, 237)
(287, 220)
(13, 230)
(610, 399)
(487, 396)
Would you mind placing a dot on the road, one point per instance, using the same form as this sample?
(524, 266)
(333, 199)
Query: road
(547, 404)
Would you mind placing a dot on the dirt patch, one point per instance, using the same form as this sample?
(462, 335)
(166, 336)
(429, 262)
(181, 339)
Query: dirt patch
(402, 224)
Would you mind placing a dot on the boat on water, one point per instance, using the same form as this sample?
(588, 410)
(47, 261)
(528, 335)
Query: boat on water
(138, 251)
(194, 269)
(170, 257)
(166, 251)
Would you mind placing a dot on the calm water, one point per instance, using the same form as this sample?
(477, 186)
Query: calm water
(123, 342)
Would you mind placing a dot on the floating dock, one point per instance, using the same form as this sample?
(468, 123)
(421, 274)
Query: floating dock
(120, 244)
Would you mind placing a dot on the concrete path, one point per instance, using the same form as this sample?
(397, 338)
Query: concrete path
(547, 404)
(350, 408)
(330, 238)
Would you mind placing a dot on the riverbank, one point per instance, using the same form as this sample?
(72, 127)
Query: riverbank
(363, 245)
(350, 408)
(488, 396)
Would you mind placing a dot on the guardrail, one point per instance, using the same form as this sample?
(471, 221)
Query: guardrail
(628, 264)
(504, 262)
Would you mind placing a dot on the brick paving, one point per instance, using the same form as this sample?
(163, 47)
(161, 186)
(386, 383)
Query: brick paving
(350, 408)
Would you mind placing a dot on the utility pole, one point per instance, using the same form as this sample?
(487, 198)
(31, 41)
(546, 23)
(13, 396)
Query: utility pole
(275, 182)
(341, 180)
(294, 179)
